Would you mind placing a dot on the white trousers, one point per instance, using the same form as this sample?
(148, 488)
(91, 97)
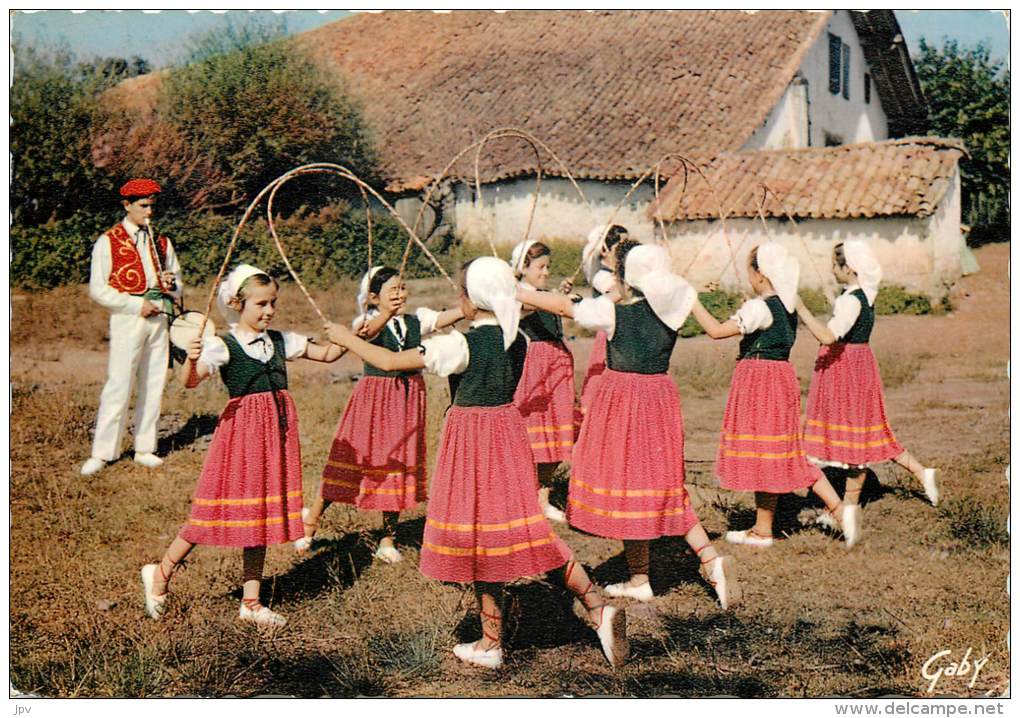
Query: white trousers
(139, 350)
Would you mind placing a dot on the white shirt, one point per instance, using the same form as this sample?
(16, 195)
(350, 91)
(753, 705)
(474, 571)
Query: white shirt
(427, 319)
(597, 313)
(603, 281)
(845, 312)
(215, 352)
(102, 264)
(446, 354)
(753, 315)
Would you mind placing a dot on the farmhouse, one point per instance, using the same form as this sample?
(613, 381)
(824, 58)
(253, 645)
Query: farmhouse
(611, 93)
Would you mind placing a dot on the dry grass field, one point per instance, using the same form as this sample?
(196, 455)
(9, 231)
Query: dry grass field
(817, 620)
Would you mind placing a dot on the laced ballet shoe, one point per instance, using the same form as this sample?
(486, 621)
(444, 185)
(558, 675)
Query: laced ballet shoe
(388, 554)
(554, 514)
(150, 461)
(92, 466)
(471, 653)
(304, 544)
(154, 605)
(931, 487)
(852, 524)
(721, 575)
(257, 613)
(748, 537)
(641, 592)
(612, 633)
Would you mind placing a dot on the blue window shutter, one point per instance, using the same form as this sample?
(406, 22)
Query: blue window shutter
(835, 48)
(846, 72)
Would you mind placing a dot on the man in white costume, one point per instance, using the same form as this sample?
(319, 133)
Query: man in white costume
(136, 277)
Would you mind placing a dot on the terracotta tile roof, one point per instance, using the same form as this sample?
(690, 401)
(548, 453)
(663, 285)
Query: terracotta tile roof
(907, 176)
(610, 92)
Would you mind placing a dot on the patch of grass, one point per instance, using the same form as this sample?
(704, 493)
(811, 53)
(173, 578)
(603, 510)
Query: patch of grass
(413, 655)
(719, 304)
(566, 256)
(894, 299)
(975, 523)
(816, 301)
(898, 368)
(701, 375)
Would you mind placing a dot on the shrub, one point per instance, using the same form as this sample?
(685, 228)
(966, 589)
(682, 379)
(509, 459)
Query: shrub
(893, 299)
(973, 522)
(566, 256)
(719, 304)
(815, 300)
(55, 253)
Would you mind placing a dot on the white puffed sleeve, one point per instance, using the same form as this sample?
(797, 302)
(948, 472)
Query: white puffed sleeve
(446, 354)
(844, 314)
(603, 281)
(427, 318)
(214, 354)
(754, 314)
(294, 345)
(598, 313)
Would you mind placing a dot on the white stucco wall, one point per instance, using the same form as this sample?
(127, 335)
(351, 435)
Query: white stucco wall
(851, 120)
(922, 254)
(502, 212)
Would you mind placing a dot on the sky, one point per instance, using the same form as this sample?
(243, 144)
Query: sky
(162, 38)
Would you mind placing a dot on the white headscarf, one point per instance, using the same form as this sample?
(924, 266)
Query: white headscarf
(861, 259)
(647, 268)
(591, 255)
(366, 282)
(782, 270)
(519, 253)
(229, 288)
(491, 286)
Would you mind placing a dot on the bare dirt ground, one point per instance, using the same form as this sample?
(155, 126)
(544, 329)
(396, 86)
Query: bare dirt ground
(817, 620)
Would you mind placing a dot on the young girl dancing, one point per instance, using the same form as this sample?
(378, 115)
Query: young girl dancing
(627, 479)
(377, 460)
(760, 448)
(598, 261)
(545, 393)
(249, 493)
(846, 422)
(484, 525)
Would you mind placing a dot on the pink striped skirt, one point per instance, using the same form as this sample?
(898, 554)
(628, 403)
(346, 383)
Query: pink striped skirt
(545, 398)
(627, 479)
(484, 522)
(377, 460)
(596, 365)
(760, 448)
(846, 419)
(249, 493)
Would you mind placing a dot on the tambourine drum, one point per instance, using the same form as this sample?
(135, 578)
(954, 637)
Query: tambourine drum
(185, 328)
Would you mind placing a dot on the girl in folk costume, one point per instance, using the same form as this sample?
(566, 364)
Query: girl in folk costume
(846, 422)
(545, 393)
(377, 460)
(627, 479)
(484, 524)
(249, 493)
(760, 448)
(598, 261)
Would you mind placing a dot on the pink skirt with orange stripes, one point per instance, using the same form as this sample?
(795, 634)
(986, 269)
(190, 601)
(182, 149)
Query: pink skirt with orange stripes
(760, 448)
(249, 493)
(596, 365)
(627, 479)
(846, 419)
(484, 522)
(545, 398)
(377, 461)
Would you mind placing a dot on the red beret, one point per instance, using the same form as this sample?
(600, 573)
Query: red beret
(140, 188)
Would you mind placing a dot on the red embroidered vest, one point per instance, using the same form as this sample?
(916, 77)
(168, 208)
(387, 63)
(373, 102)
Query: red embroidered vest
(127, 273)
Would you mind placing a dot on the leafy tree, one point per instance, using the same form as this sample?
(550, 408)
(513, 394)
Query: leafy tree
(968, 96)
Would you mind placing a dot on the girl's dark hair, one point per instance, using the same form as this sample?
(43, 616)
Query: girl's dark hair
(380, 278)
(839, 255)
(614, 235)
(535, 251)
(256, 280)
(754, 259)
(622, 250)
